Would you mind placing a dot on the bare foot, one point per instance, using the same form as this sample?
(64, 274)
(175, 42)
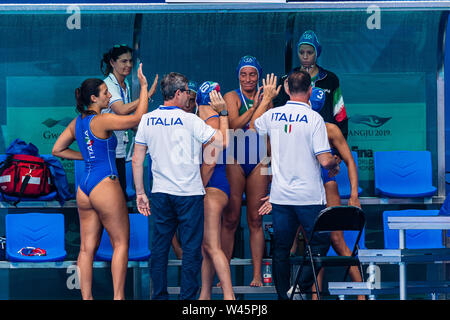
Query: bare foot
(256, 283)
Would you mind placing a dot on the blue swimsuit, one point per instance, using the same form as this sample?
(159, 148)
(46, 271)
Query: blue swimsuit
(325, 176)
(246, 164)
(219, 177)
(99, 155)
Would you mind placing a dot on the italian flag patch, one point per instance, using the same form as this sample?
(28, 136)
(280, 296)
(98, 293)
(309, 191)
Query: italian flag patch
(287, 128)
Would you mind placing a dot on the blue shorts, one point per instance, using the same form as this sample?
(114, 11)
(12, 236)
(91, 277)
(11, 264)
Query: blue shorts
(325, 176)
(219, 179)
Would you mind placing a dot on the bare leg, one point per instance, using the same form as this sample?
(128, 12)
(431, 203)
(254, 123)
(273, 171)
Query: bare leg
(256, 189)
(208, 273)
(108, 200)
(214, 258)
(90, 234)
(341, 248)
(232, 212)
(333, 199)
(337, 238)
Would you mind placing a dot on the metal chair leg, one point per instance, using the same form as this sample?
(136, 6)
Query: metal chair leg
(314, 273)
(297, 277)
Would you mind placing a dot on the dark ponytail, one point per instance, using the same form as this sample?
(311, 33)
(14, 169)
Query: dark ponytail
(83, 94)
(114, 53)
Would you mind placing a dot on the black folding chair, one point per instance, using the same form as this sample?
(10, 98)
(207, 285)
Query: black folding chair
(331, 219)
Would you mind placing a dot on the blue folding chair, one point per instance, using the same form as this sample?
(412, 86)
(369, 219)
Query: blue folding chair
(350, 239)
(343, 180)
(445, 208)
(139, 244)
(447, 182)
(414, 239)
(403, 174)
(38, 230)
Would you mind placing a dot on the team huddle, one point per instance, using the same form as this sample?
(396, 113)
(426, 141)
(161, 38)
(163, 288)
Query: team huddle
(276, 140)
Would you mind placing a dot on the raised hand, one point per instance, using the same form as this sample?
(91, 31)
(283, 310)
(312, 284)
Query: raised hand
(141, 77)
(217, 101)
(257, 98)
(270, 87)
(152, 90)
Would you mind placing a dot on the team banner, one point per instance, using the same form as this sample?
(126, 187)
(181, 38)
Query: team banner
(384, 127)
(386, 112)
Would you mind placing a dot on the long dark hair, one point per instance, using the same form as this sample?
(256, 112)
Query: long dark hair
(83, 94)
(114, 53)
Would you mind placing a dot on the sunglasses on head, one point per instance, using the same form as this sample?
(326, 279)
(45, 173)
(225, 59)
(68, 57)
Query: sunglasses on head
(187, 90)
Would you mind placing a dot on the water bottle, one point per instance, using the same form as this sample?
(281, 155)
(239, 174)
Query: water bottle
(267, 275)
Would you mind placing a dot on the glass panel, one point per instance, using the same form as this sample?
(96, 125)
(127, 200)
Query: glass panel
(208, 46)
(42, 63)
(386, 75)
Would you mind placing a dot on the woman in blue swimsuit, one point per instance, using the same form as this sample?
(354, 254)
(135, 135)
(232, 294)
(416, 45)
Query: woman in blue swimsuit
(100, 200)
(246, 172)
(216, 198)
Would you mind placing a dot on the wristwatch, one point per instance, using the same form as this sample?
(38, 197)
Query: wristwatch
(223, 113)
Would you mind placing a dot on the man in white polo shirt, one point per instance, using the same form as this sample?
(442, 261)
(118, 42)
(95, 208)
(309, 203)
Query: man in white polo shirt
(174, 139)
(299, 146)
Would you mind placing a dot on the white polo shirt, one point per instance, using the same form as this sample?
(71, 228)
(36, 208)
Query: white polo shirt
(297, 135)
(118, 94)
(174, 139)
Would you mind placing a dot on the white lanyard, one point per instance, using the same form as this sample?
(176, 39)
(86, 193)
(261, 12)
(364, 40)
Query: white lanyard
(125, 97)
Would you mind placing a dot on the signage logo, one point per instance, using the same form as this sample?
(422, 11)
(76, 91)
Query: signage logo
(369, 120)
(49, 123)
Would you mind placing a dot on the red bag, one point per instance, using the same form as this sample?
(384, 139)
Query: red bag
(25, 176)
